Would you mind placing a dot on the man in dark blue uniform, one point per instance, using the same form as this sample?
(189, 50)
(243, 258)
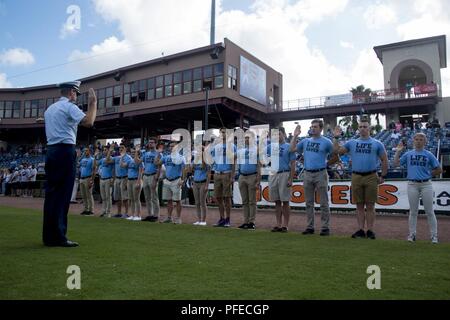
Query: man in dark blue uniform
(61, 123)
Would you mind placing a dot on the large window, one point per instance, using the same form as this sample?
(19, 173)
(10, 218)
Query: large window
(159, 87)
(101, 94)
(177, 83)
(168, 80)
(34, 108)
(218, 76)
(117, 95)
(134, 91)
(232, 77)
(126, 93)
(9, 109)
(187, 81)
(151, 89)
(198, 82)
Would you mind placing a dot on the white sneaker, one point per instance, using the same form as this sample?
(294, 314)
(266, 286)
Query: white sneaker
(196, 223)
(202, 223)
(177, 221)
(434, 240)
(412, 237)
(137, 219)
(130, 218)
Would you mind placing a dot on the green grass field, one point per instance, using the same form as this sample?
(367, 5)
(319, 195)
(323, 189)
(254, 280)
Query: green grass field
(120, 259)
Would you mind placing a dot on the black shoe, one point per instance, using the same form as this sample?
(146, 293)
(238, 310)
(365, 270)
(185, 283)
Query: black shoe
(67, 244)
(325, 232)
(83, 213)
(284, 229)
(371, 234)
(147, 218)
(103, 215)
(243, 226)
(89, 213)
(251, 226)
(276, 229)
(359, 234)
(308, 231)
(117, 215)
(152, 218)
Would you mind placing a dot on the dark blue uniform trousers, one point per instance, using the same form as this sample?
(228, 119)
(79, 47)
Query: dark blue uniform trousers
(60, 168)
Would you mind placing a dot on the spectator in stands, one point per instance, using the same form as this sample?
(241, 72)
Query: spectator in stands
(418, 125)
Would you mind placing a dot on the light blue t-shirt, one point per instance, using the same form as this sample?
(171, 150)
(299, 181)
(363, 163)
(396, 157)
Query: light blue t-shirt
(148, 159)
(221, 163)
(120, 172)
(86, 167)
(132, 167)
(365, 153)
(247, 159)
(284, 156)
(61, 122)
(105, 170)
(419, 164)
(315, 151)
(174, 166)
(200, 173)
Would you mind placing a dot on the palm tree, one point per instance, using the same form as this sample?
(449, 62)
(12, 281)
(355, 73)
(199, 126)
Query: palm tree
(361, 91)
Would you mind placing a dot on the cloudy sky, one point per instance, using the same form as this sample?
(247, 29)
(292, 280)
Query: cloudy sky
(321, 47)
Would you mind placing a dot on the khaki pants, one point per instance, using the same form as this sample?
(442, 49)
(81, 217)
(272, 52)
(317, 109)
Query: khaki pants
(86, 194)
(134, 195)
(200, 199)
(248, 195)
(313, 181)
(151, 195)
(105, 193)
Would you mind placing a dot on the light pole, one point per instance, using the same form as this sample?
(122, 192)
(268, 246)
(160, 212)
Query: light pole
(206, 107)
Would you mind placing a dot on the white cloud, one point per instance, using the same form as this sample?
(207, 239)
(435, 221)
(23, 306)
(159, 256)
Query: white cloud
(432, 18)
(16, 57)
(4, 83)
(379, 15)
(346, 45)
(274, 31)
(367, 71)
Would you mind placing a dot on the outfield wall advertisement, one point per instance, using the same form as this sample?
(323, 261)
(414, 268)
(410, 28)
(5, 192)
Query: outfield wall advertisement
(392, 195)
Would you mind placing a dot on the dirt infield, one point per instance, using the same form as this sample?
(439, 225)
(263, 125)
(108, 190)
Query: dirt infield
(393, 226)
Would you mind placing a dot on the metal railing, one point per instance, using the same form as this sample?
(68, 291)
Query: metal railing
(420, 91)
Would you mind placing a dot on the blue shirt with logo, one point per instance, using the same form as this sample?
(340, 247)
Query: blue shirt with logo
(315, 151)
(221, 162)
(120, 172)
(365, 153)
(200, 172)
(174, 166)
(419, 164)
(148, 159)
(247, 159)
(283, 156)
(61, 122)
(132, 167)
(86, 167)
(105, 170)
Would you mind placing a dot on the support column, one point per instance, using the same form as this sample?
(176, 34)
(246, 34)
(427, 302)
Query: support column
(329, 122)
(391, 115)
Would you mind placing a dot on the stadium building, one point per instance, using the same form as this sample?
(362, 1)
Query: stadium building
(234, 88)
(157, 96)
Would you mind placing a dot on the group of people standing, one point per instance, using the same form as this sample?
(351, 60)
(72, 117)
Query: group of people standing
(131, 172)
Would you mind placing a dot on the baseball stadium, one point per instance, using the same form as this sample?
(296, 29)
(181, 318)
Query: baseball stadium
(162, 243)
